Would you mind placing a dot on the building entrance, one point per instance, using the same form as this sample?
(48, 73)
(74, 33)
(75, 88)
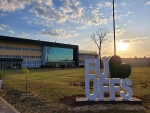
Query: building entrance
(10, 65)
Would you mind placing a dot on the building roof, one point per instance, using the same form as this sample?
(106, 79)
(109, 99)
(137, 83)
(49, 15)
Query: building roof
(35, 42)
(87, 52)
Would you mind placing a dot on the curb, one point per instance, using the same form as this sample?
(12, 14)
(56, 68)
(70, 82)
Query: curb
(10, 106)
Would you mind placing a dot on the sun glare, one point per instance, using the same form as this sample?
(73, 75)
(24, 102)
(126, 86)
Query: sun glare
(122, 46)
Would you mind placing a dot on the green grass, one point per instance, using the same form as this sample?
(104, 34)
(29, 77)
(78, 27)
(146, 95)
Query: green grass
(50, 85)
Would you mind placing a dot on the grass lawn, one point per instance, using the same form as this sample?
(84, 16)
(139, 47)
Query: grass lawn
(49, 88)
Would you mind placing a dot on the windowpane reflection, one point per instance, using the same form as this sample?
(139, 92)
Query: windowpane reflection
(58, 54)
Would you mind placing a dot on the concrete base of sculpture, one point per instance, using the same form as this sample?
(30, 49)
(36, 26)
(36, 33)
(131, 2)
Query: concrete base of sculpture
(84, 101)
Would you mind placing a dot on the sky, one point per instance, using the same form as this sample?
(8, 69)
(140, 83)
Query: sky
(74, 21)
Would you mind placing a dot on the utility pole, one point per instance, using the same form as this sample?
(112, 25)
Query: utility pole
(114, 29)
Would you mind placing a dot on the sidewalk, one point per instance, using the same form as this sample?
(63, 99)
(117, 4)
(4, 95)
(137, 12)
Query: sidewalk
(5, 107)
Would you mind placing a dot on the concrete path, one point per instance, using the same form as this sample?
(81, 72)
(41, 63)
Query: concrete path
(5, 107)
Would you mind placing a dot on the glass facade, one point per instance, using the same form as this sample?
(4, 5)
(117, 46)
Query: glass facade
(58, 54)
(58, 57)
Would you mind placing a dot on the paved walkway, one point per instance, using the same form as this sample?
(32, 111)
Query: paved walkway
(5, 107)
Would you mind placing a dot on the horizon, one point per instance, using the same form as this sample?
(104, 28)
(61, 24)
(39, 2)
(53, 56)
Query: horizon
(72, 22)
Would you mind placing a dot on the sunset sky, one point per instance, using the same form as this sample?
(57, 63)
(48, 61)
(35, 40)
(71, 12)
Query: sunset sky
(74, 21)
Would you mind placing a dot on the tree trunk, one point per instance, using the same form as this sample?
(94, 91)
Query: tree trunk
(26, 84)
(101, 66)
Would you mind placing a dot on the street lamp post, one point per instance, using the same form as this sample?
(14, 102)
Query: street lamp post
(114, 29)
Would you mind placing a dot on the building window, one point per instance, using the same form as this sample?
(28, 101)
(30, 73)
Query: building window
(58, 54)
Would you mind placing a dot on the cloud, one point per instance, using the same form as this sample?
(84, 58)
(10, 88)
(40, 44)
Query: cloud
(116, 26)
(118, 32)
(4, 25)
(94, 12)
(135, 40)
(99, 4)
(24, 17)
(42, 22)
(72, 6)
(44, 9)
(148, 3)
(69, 9)
(29, 21)
(128, 13)
(83, 27)
(96, 21)
(120, 16)
(123, 3)
(12, 5)
(66, 6)
(107, 3)
(49, 13)
(86, 40)
(1, 28)
(58, 33)
(3, 14)
(23, 35)
(11, 31)
(46, 2)
(129, 21)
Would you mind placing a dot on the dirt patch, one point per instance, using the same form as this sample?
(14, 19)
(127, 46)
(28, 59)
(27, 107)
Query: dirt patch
(124, 108)
(70, 101)
(27, 103)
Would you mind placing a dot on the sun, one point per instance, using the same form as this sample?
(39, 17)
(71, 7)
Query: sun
(122, 46)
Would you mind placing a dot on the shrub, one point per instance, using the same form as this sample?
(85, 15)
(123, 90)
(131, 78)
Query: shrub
(26, 71)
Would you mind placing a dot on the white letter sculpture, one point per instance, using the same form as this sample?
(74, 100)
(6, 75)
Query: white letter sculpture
(99, 79)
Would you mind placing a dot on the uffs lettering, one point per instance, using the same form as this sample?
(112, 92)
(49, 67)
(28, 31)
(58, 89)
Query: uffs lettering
(99, 79)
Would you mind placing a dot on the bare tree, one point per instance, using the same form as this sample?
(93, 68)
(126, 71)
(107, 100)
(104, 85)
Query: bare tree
(98, 38)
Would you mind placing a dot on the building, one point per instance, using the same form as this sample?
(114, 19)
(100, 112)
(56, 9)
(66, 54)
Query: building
(83, 54)
(19, 52)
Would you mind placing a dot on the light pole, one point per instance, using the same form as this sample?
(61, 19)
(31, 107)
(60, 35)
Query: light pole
(114, 29)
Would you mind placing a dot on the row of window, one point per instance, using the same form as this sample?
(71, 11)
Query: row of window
(19, 56)
(19, 48)
(18, 65)
(32, 57)
(31, 65)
